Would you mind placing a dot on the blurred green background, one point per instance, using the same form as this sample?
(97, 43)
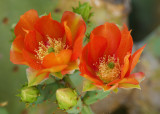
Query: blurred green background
(143, 17)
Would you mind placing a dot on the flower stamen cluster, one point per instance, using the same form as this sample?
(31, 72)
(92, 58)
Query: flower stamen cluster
(53, 45)
(108, 70)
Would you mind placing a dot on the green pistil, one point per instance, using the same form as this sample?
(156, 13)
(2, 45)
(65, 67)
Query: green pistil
(111, 65)
(51, 50)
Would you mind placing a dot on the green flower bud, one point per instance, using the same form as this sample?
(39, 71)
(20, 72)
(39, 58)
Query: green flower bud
(84, 10)
(29, 94)
(66, 98)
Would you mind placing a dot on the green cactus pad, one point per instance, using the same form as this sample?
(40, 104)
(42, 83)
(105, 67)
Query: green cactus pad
(76, 109)
(93, 96)
(86, 110)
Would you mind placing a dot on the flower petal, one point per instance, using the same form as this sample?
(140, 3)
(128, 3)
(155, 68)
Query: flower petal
(49, 27)
(106, 87)
(138, 76)
(52, 59)
(77, 45)
(84, 55)
(26, 22)
(77, 27)
(135, 57)
(129, 80)
(74, 22)
(112, 33)
(16, 55)
(97, 47)
(32, 60)
(68, 34)
(33, 78)
(71, 67)
(126, 44)
(125, 67)
(94, 80)
(88, 74)
(114, 82)
(126, 85)
(53, 69)
(90, 54)
(32, 40)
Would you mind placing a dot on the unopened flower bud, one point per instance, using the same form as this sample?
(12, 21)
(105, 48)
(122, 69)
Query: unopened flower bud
(29, 94)
(66, 98)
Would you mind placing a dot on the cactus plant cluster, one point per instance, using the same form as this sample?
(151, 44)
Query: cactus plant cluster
(58, 91)
(53, 62)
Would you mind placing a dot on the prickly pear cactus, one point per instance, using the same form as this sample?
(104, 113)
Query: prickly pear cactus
(70, 91)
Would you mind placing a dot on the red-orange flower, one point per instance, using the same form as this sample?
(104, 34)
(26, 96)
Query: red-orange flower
(107, 61)
(46, 45)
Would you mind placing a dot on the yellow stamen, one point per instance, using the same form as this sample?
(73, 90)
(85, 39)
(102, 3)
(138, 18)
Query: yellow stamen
(41, 52)
(55, 44)
(108, 70)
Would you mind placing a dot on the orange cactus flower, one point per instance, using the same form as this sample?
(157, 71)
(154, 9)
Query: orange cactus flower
(46, 45)
(107, 61)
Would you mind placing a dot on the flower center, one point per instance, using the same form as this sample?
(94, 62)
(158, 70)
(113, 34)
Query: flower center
(53, 45)
(108, 70)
